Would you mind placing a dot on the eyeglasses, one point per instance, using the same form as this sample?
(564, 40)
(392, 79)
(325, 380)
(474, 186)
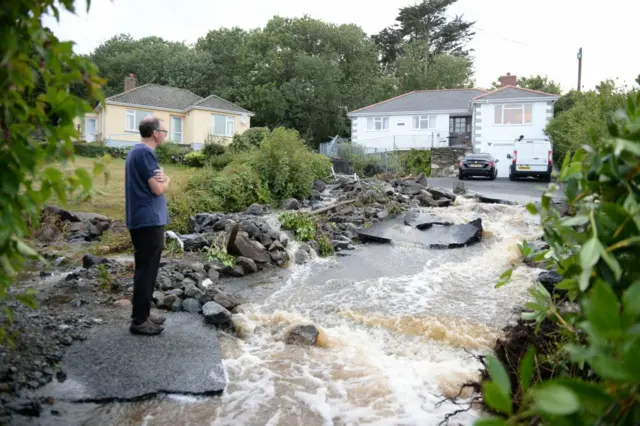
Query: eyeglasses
(165, 131)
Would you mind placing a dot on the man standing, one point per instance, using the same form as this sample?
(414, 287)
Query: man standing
(147, 214)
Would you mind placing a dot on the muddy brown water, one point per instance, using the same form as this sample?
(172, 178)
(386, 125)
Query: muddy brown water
(397, 325)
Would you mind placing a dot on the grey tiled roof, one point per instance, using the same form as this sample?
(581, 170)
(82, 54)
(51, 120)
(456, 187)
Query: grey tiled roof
(216, 102)
(425, 100)
(512, 92)
(154, 95)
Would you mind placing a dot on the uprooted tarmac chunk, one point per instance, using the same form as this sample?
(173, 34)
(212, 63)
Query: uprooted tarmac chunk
(434, 235)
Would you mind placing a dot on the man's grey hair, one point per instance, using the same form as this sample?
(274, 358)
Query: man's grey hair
(148, 125)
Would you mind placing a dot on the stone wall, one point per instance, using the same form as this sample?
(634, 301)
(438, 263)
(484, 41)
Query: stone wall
(444, 161)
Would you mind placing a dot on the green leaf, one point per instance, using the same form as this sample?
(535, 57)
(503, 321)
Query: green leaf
(601, 308)
(567, 284)
(531, 208)
(499, 375)
(25, 249)
(85, 179)
(497, 400)
(577, 220)
(555, 399)
(590, 253)
(489, 421)
(631, 304)
(504, 278)
(613, 264)
(525, 369)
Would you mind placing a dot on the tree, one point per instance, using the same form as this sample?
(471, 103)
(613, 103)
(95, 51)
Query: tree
(428, 22)
(540, 83)
(38, 74)
(585, 120)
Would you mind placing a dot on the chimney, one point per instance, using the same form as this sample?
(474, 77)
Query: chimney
(508, 80)
(129, 82)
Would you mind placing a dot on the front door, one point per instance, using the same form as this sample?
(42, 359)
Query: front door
(459, 131)
(90, 129)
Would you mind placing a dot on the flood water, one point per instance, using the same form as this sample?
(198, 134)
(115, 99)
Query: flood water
(397, 325)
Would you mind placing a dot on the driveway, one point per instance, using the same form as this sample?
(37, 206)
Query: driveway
(522, 191)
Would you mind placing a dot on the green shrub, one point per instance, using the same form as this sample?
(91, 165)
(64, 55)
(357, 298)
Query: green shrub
(415, 161)
(213, 150)
(195, 159)
(98, 150)
(596, 250)
(302, 225)
(170, 152)
(287, 166)
(250, 138)
(219, 162)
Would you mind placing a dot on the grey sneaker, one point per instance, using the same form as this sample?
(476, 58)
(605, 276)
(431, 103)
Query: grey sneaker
(146, 327)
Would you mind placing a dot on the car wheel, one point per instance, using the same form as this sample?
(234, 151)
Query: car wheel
(512, 177)
(492, 177)
(547, 177)
(460, 176)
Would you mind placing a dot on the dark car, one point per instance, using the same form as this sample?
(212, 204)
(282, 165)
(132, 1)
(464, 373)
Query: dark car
(482, 164)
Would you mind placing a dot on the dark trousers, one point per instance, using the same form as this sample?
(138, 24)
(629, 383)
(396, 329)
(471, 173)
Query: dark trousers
(148, 244)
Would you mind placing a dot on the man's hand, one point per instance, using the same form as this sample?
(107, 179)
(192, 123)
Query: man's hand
(160, 176)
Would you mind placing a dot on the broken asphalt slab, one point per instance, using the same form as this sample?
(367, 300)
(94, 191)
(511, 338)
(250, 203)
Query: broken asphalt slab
(114, 364)
(423, 221)
(434, 236)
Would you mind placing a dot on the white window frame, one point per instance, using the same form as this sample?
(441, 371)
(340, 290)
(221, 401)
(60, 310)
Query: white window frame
(132, 113)
(498, 116)
(424, 122)
(373, 122)
(229, 125)
(173, 130)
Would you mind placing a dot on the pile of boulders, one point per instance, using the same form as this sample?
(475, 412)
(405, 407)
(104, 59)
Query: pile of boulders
(58, 223)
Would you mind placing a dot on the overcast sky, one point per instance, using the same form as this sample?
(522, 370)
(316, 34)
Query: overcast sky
(521, 37)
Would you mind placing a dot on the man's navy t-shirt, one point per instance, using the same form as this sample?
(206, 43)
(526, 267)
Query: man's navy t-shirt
(143, 207)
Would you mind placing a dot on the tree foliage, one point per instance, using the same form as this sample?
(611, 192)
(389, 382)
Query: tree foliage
(597, 251)
(300, 73)
(37, 75)
(582, 115)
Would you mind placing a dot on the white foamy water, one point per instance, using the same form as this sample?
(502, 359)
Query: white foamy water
(396, 322)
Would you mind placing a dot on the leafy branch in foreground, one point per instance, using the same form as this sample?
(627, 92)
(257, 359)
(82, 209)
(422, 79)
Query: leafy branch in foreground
(597, 252)
(38, 76)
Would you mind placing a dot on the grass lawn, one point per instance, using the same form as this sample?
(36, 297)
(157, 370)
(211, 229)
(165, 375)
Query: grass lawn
(110, 199)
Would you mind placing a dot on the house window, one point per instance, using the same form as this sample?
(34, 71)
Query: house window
(513, 114)
(377, 123)
(424, 122)
(134, 117)
(176, 129)
(223, 125)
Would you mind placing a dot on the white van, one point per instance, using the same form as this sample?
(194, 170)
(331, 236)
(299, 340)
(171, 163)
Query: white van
(531, 157)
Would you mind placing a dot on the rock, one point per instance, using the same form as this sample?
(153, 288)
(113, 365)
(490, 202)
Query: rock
(426, 199)
(257, 209)
(291, 204)
(195, 242)
(319, 185)
(123, 303)
(163, 282)
(549, 279)
(243, 246)
(157, 297)
(382, 214)
(340, 244)
(228, 301)
(233, 271)
(177, 306)
(167, 302)
(188, 282)
(490, 200)
(442, 193)
(458, 188)
(316, 195)
(89, 260)
(284, 240)
(213, 275)
(388, 190)
(191, 305)
(251, 229)
(193, 292)
(203, 222)
(301, 257)
(216, 314)
(412, 189)
(248, 265)
(444, 203)
(302, 335)
(422, 180)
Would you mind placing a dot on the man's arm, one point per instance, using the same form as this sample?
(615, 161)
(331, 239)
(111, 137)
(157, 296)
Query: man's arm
(158, 187)
(157, 181)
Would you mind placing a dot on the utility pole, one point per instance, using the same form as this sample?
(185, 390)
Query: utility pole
(580, 69)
